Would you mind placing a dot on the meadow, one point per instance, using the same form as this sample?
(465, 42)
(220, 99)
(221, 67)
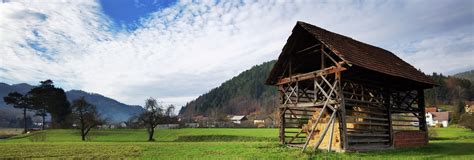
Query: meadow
(210, 143)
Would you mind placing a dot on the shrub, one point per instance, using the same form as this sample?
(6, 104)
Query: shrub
(432, 134)
(467, 120)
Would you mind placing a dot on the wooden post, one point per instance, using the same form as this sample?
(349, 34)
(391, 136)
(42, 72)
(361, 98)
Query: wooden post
(342, 114)
(322, 58)
(421, 106)
(386, 102)
(282, 125)
(330, 135)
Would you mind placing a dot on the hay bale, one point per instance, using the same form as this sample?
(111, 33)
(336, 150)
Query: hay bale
(336, 139)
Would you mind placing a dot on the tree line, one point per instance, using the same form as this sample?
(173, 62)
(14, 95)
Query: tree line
(43, 99)
(47, 99)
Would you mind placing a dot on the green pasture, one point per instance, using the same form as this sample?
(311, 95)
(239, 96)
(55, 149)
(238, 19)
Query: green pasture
(212, 143)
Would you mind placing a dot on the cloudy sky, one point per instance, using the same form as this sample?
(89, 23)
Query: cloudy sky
(175, 51)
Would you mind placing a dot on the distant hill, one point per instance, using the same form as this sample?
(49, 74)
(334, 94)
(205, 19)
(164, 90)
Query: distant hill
(469, 75)
(108, 107)
(6, 88)
(244, 94)
(111, 109)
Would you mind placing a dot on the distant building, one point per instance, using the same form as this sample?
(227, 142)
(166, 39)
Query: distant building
(238, 119)
(123, 125)
(263, 121)
(431, 109)
(469, 108)
(437, 118)
(167, 126)
(258, 121)
(191, 125)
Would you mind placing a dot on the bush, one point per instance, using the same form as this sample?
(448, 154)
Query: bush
(432, 134)
(467, 120)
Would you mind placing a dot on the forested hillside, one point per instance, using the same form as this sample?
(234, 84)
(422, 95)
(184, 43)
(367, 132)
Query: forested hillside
(451, 90)
(247, 93)
(469, 75)
(243, 94)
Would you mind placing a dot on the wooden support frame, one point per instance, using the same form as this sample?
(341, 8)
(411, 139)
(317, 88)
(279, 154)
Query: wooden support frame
(363, 110)
(324, 94)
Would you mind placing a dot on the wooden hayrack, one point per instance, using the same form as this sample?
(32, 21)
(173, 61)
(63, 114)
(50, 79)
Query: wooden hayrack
(340, 94)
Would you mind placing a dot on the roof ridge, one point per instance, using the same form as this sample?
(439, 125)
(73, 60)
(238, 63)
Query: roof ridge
(322, 35)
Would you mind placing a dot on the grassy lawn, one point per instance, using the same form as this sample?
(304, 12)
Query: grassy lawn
(452, 143)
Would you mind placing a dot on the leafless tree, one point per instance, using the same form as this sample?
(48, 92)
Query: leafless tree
(153, 115)
(156, 114)
(86, 116)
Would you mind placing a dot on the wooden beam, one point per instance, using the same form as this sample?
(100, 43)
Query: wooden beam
(282, 125)
(368, 135)
(369, 130)
(372, 113)
(370, 124)
(330, 136)
(368, 118)
(311, 75)
(311, 48)
(368, 140)
(342, 114)
(421, 105)
(386, 96)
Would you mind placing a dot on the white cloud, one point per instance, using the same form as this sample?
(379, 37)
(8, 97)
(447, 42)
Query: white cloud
(185, 50)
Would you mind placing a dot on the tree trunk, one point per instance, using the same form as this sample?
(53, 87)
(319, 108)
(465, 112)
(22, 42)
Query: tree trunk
(24, 120)
(83, 135)
(150, 134)
(42, 125)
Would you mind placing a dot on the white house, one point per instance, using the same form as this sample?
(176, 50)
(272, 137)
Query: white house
(238, 119)
(434, 118)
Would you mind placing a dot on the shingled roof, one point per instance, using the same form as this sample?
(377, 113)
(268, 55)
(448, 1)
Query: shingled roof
(361, 54)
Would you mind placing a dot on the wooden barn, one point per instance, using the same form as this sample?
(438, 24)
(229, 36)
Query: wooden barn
(340, 94)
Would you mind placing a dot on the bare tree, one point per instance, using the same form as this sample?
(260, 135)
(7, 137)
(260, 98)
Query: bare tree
(153, 115)
(86, 116)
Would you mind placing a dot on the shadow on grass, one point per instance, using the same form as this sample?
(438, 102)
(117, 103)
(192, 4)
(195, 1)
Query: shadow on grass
(432, 150)
(451, 138)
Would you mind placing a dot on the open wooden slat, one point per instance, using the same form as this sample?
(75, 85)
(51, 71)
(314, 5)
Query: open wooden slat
(367, 140)
(301, 109)
(405, 120)
(361, 101)
(368, 129)
(370, 124)
(369, 118)
(367, 112)
(379, 108)
(368, 135)
(409, 125)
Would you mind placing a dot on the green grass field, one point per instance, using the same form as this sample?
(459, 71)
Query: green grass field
(451, 143)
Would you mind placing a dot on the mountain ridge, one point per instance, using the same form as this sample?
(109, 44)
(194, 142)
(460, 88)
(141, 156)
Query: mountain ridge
(469, 75)
(109, 108)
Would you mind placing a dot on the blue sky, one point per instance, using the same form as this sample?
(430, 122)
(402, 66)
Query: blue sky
(176, 51)
(126, 14)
